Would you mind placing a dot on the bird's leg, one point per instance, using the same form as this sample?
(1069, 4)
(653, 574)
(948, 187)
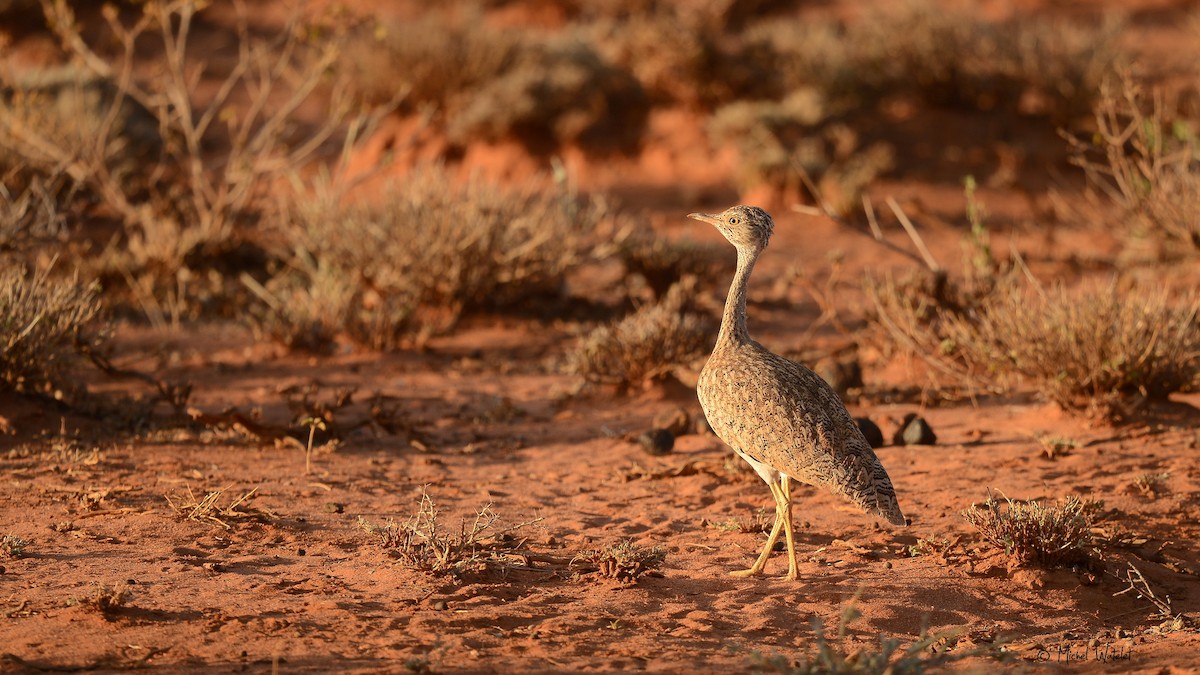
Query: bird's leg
(785, 491)
(759, 564)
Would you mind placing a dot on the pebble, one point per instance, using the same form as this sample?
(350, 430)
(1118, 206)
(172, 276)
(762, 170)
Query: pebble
(440, 605)
(914, 430)
(657, 441)
(870, 431)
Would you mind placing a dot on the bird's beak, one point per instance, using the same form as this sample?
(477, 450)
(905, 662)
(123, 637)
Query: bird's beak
(709, 218)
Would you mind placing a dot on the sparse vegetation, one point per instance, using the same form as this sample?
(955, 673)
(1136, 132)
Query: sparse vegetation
(423, 542)
(12, 546)
(625, 561)
(1032, 533)
(1146, 164)
(1151, 485)
(410, 265)
(105, 600)
(181, 175)
(646, 344)
(836, 655)
(489, 83)
(210, 508)
(42, 323)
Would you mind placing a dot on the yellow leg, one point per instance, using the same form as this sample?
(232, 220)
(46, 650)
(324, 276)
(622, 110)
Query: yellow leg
(785, 491)
(780, 512)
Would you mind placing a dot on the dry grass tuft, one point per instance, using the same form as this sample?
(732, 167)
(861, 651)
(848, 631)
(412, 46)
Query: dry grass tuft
(42, 323)
(648, 343)
(1031, 533)
(210, 509)
(408, 266)
(624, 561)
(1103, 350)
(796, 145)
(662, 262)
(423, 543)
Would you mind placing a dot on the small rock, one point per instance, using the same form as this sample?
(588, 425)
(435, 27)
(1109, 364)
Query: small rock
(871, 431)
(440, 605)
(3, 570)
(676, 421)
(301, 552)
(657, 441)
(914, 430)
(334, 507)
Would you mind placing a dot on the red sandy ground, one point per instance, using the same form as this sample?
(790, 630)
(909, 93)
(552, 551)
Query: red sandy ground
(488, 420)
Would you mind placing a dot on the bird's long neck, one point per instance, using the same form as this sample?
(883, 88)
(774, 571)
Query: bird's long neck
(733, 321)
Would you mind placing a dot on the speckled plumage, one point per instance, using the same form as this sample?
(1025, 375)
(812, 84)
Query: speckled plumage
(778, 415)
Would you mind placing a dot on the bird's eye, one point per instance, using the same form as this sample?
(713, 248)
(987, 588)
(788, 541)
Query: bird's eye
(734, 220)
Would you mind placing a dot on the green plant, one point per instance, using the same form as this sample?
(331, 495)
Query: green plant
(1031, 533)
(648, 343)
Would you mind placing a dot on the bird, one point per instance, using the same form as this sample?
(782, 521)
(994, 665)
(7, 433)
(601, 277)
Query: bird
(777, 414)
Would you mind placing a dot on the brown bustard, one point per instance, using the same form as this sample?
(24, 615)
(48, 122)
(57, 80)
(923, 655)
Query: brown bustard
(776, 414)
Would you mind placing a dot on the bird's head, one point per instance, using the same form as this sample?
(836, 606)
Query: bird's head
(744, 226)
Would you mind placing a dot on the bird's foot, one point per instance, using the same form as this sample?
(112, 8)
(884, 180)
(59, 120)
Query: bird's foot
(742, 574)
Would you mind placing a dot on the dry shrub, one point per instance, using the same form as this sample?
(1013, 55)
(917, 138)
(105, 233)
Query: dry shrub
(794, 144)
(408, 266)
(1102, 350)
(43, 321)
(491, 83)
(662, 263)
(1031, 533)
(624, 561)
(683, 54)
(423, 543)
(948, 56)
(648, 343)
(1145, 165)
(180, 171)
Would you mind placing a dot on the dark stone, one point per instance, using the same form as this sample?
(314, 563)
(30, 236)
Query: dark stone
(914, 430)
(870, 431)
(657, 441)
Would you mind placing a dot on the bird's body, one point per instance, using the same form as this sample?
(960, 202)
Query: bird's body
(778, 415)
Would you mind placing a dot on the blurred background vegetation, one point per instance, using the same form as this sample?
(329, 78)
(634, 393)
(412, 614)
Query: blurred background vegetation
(168, 162)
